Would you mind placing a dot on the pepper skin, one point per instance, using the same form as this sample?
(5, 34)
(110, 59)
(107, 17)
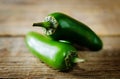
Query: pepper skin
(63, 27)
(58, 55)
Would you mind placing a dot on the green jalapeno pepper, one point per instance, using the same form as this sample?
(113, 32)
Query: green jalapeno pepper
(63, 27)
(58, 55)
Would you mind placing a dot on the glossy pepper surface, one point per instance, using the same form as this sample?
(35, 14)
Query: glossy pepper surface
(57, 55)
(63, 27)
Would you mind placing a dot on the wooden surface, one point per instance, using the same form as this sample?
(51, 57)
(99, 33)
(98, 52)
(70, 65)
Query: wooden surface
(17, 16)
(17, 62)
(103, 16)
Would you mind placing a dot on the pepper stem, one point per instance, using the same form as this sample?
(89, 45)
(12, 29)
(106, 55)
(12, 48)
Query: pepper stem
(43, 24)
(76, 60)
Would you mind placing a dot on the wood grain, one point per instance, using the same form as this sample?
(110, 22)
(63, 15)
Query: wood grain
(17, 62)
(16, 17)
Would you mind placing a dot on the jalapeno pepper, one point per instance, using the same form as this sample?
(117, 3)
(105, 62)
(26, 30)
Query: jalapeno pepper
(58, 55)
(63, 27)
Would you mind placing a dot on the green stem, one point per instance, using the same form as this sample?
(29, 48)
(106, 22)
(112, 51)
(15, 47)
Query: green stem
(76, 60)
(43, 24)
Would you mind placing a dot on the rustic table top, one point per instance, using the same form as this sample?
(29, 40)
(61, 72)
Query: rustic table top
(17, 16)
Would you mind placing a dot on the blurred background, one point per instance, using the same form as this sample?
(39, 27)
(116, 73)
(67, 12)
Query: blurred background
(102, 16)
(17, 17)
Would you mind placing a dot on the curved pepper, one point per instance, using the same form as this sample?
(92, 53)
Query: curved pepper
(63, 27)
(58, 55)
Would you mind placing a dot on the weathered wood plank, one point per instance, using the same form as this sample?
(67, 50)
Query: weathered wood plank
(17, 62)
(16, 17)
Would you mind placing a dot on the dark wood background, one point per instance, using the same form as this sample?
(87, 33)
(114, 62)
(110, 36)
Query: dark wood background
(17, 16)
